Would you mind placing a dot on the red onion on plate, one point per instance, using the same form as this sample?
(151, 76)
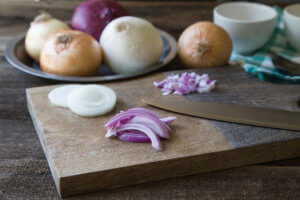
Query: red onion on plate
(92, 16)
(139, 125)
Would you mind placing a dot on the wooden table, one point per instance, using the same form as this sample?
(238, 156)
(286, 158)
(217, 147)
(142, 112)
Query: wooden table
(24, 173)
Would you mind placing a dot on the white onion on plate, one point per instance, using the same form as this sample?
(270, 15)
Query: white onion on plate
(130, 45)
(40, 30)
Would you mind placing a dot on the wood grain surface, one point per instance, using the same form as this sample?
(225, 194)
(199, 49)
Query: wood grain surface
(24, 173)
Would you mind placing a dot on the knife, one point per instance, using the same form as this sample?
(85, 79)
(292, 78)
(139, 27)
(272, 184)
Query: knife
(281, 119)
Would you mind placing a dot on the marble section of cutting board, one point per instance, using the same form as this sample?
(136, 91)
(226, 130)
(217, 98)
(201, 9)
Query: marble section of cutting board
(82, 160)
(237, 87)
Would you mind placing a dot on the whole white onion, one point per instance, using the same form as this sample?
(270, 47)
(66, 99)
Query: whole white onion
(130, 44)
(40, 29)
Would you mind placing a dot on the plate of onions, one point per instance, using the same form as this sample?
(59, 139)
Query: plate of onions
(16, 55)
(102, 42)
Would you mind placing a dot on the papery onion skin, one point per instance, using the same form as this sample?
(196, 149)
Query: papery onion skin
(80, 55)
(204, 44)
(40, 30)
(131, 45)
(93, 15)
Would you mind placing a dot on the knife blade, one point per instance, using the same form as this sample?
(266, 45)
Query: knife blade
(263, 117)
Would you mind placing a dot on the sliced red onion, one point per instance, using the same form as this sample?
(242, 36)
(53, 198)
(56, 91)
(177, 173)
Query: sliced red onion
(167, 119)
(139, 125)
(146, 130)
(186, 83)
(124, 117)
(156, 126)
(145, 110)
(133, 136)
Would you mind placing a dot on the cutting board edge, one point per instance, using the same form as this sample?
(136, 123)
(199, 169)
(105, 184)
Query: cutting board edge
(72, 185)
(40, 135)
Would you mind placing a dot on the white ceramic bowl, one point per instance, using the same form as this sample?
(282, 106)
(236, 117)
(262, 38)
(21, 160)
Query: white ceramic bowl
(291, 18)
(249, 25)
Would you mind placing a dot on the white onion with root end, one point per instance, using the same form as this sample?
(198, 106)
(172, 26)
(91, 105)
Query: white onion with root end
(130, 45)
(40, 30)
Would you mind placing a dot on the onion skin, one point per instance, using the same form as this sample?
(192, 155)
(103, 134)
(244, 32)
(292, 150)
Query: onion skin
(139, 45)
(80, 56)
(39, 32)
(204, 44)
(93, 15)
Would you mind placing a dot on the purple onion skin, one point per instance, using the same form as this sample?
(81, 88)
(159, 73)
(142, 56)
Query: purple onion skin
(92, 16)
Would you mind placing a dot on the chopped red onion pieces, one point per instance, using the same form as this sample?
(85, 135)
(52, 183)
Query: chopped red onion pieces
(139, 125)
(186, 83)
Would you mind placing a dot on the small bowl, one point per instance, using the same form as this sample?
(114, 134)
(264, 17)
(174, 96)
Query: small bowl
(249, 25)
(291, 18)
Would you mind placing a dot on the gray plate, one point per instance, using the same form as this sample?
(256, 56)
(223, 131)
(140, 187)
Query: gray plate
(16, 55)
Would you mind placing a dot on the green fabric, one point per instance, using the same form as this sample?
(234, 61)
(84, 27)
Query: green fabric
(260, 62)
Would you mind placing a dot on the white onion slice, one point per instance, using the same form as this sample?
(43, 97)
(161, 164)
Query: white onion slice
(58, 96)
(92, 100)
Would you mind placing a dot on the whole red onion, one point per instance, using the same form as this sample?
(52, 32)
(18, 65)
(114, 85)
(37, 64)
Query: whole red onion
(92, 16)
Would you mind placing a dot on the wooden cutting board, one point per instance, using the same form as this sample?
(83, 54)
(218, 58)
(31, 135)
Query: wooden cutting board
(82, 160)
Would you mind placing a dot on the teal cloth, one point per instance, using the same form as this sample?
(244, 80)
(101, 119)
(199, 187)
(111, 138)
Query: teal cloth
(260, 62)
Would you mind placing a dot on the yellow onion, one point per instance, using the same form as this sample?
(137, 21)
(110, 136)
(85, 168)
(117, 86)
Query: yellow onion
(204, 44)
(71, 53)
(40, 29)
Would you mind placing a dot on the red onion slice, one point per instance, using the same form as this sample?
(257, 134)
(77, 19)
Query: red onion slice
(139, 125)
(146, 130)
(125, 116)
(146, 110)
(156, 125)
(133, 136)
(167, 119)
